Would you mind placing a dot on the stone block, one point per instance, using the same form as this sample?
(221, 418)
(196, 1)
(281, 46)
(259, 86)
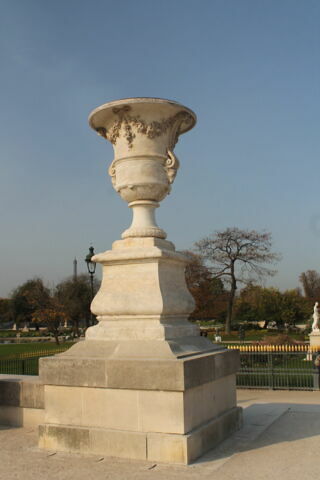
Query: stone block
(187, 448)
(207, 367)
(122, 444)
(10, 392)
(214, 432)
(207, 401)
(63, 405)
(32, 394)
(177, 374)
(111, 408)
(66, 439)
(159, 447)
(139, 410)
(161, 411)
(21, 417)
(167, 448)
(21, 391)
(75, 371)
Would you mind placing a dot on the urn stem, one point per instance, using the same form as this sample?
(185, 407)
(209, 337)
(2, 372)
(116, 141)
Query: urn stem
(144, 223)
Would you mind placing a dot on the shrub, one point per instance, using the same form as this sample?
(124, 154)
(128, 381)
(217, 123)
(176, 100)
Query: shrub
(279, 340)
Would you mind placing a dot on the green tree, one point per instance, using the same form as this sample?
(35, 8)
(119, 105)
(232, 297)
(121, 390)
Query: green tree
(26, 299)
(208, 292)
(5, 309)
(75, 297)
(256, 303)
(237, 256)
(52, 315)
(295, 308)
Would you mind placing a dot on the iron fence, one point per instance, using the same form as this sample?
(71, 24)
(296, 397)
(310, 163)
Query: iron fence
(278, 368)
(26, 363)
(270, 367)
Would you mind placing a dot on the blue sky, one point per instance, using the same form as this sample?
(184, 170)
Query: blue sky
(250, 69)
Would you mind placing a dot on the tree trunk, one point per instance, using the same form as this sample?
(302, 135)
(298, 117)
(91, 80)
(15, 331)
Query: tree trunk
(231, 302)
(56, 336)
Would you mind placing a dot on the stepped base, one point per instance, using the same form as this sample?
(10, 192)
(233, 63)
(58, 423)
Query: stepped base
(169, 410)
(155, 447)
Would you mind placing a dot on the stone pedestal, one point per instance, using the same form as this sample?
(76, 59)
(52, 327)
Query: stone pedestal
(143, 384)
(315, 340)
(171, 410)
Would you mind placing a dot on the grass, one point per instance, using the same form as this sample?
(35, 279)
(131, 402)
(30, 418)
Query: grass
(16, 349)
(18, 359)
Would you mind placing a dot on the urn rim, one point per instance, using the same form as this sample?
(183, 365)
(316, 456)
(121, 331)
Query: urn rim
(97, 116)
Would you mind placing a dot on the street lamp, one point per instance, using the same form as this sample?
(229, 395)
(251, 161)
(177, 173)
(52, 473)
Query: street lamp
(91, 270)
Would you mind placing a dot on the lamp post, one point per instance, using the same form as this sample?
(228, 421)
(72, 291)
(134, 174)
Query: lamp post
(91, 266)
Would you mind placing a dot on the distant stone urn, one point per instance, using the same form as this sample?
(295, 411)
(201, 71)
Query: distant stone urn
(144, 132)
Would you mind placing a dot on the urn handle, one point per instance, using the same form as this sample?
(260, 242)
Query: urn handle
(112, 173)
(171, 166)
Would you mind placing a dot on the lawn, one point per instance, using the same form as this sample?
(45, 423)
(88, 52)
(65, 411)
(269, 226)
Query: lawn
(23, 359)
(18, 348)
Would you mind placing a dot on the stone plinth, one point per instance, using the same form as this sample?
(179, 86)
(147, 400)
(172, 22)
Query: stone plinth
(21, 401)
(171, 410)
(314, 340)
(143, 384)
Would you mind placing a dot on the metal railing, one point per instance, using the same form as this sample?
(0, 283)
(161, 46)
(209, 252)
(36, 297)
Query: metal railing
(277, 367)
(286, 367)
(26, 363)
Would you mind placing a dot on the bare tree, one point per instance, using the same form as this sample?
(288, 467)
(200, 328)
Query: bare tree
(236, 255)
(311, 284)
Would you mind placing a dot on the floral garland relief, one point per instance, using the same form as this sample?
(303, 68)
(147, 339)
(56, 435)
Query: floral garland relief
(151, 130)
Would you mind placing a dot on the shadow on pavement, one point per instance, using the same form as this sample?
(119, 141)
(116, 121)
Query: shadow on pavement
(290, 421)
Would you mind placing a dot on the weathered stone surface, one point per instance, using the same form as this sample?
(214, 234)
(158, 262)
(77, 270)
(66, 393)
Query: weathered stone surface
(21, 400)
(21, 416)
(315, 340)
(67, 370)
(139, 410)
(208, 401)
(179, 374)
(99, 441)
(211, 434)
(160, 447)
(66, 439)
(10, 392)
(21, 391)
(128, 274)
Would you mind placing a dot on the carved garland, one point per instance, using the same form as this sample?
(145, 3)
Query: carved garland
(151, 130)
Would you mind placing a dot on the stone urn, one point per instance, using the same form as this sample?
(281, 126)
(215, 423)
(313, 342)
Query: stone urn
(143, 132)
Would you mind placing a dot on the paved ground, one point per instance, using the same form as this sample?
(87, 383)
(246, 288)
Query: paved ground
(281, 436)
